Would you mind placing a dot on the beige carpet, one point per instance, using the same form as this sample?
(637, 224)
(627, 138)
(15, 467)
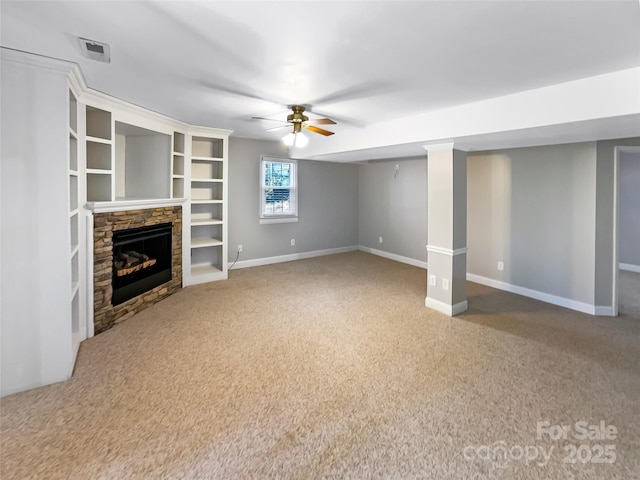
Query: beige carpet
(333, 368)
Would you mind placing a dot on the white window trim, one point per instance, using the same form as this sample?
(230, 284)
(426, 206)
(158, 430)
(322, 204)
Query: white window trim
(276, 218)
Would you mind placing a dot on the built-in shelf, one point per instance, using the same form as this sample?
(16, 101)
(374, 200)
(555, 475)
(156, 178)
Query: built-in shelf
(99, 186)
(205, 242)
(207, 188)
(207, 148)
(202, 270)
(76, 199)
(177, 187)
(99, 124)
(102, 141)
(73, 112)
(206, 159)
(178, 143)
(206, 180)
(73, 151)
(201, 222)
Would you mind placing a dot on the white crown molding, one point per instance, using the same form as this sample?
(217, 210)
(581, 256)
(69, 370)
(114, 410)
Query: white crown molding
(38, 61)
(128, 112)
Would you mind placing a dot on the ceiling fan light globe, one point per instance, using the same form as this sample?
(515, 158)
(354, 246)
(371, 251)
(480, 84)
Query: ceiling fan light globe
(301, 140)
(288, 139)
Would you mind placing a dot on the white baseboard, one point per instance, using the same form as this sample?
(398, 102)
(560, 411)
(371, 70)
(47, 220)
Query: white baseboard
(544, 297)
(450, 310)
(257, 262)
(393, 256)
(629, 267)
(604, 311)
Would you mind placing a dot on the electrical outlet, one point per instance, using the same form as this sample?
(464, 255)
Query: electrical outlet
(432, 280)
(379, 239)
(240, 248)
(500, 265)
(445, 284)
(293, 242)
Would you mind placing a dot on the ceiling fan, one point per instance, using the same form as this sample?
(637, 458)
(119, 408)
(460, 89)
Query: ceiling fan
(299, 121)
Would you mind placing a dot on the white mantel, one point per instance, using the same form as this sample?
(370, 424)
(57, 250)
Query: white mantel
(122, 205)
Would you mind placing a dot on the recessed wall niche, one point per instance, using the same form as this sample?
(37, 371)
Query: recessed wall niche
(142, 163)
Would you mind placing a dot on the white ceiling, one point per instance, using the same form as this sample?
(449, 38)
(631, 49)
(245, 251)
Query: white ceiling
(359, 62)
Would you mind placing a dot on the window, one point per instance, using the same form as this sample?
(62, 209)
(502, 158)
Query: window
(278, 190)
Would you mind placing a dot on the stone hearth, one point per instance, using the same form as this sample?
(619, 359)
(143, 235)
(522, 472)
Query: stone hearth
(106, 315)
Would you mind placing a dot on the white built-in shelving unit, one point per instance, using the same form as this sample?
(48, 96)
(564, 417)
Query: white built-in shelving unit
(208, 201)
(115, 156)
(100, 155)
(135, 155)
(76, 225)
(178, 165)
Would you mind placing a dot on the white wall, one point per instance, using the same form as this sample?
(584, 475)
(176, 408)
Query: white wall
(35, 323)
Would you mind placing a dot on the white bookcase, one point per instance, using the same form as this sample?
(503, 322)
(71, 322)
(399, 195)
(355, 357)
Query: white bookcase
(135, 155)
(178, 165)
(208, 195)
(74, 215)
(74, 138)
(77, 223)
(100, 155)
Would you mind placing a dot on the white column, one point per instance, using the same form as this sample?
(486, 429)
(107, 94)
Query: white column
(447, 229)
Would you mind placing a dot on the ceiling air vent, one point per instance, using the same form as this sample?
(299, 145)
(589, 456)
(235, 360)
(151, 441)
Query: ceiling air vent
(95, 50)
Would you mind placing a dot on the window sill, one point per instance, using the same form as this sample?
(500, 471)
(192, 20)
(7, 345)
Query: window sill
(264, 221)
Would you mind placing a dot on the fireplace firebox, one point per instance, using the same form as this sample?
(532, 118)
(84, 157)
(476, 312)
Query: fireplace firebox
(141, 260)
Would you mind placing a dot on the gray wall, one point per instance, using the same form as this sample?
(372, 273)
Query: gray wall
(327, 204)
(394, 207)
(546, 212)
(534, 210)
(629, 213)
(605, 188)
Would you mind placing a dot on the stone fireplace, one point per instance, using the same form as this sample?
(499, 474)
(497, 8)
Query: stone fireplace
(105, 313)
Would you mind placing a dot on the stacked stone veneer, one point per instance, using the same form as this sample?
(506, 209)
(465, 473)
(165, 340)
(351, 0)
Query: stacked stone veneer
(106, 315)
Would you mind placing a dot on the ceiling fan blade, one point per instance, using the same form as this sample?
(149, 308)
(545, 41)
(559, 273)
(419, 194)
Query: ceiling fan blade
(321, 121)
(340, 119)
(264, 118)
(321, 131)
(273, 129)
